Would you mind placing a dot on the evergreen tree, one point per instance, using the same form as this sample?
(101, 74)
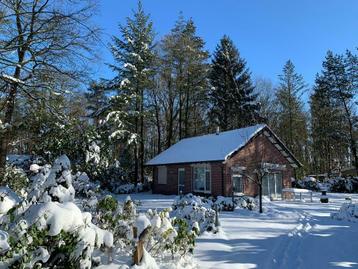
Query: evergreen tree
(179, 100)
(97, 101)
(329, 127)
(233, 102)
(291, 118)
(133, 53)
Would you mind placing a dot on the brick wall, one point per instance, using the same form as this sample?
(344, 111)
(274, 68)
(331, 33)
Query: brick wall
(260, 149)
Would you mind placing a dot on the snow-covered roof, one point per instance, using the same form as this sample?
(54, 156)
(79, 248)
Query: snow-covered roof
(212, 147)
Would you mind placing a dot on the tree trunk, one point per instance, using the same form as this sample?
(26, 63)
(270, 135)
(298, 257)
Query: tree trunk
(142, 137)
(260, 196)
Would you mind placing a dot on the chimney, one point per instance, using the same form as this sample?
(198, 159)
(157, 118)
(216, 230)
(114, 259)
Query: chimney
(217, 130)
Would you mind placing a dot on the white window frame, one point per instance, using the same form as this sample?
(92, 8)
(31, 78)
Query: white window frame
(162, 175)
(207, 168)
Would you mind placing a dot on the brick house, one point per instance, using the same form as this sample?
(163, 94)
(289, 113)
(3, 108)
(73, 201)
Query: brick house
(223, 164)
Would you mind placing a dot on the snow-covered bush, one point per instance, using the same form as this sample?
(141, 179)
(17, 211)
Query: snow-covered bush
(195, 211)
(47, 229)
(53, 183)
(84, 187)
(230, 203)
(337, 184)
(15, 178)
(348, 211)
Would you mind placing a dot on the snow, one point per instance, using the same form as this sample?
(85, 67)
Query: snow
(8, 199)
(289, 234)
(147, 262)
(212, 147)
(4, 245)
(142, 222)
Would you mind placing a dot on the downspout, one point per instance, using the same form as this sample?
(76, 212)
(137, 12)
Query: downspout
(222, 180)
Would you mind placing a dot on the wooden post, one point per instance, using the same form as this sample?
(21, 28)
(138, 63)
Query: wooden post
(138, 252)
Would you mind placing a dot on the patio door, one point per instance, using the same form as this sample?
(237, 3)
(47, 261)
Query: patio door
(272, 185)
(181, 180)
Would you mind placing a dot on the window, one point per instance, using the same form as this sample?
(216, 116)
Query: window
(238, 184)
(162, 175)
(272, 184)
(202, 178)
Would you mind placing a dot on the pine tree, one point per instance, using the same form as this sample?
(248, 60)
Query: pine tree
(329, 128)
(97, 101)
(233, 102)
(179, 100)
(134, 55)
(291, 118)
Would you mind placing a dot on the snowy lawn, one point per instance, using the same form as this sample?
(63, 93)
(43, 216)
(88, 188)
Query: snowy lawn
(288, 235)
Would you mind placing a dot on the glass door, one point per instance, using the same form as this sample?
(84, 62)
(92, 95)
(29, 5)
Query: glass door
(181, 180)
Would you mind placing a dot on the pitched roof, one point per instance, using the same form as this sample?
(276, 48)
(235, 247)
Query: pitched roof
(211, 147)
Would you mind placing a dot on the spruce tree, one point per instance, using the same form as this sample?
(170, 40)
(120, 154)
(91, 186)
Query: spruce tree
(233, 102)
(134, 56)
(329, 125)
(291, 117)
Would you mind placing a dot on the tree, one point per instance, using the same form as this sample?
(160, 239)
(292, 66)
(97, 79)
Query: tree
(266, 99)
(179, 99)
(134, 55)
(97, 101)
(329, 120)
(233, 102)
(42, 42)
(291, 118)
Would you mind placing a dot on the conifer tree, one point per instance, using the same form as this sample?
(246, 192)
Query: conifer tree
(233, 102)
(329, 125)
(134, 56)
(291, 118)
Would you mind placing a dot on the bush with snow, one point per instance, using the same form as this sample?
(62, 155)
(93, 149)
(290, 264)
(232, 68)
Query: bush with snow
(348, 211)
(337, 184)
(47, 228)
(195, 211)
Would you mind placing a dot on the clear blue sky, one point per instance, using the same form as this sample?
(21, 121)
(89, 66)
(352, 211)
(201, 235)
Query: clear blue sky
(266, 32)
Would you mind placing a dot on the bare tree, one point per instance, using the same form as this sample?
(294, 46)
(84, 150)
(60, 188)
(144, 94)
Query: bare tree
(41, 42)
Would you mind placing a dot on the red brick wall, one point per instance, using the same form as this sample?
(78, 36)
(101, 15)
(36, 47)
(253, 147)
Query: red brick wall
(172, 179)
(260, 149)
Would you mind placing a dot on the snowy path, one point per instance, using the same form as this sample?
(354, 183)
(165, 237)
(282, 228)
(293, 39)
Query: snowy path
(288, 235)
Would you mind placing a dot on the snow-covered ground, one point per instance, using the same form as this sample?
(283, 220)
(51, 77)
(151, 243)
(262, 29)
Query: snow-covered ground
(288, 235)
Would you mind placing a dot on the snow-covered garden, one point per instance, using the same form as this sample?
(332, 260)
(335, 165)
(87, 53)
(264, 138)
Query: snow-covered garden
(65, 219)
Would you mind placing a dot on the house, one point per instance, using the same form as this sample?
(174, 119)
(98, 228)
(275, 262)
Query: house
(223, 163)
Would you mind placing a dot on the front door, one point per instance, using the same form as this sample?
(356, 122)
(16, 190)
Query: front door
(181, 180)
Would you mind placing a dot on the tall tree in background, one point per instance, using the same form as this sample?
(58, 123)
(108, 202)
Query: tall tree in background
(267, 103)
(292, 120)
(233, 102)
(42, 42)
(329, 124)
(134, 55)
(179, 98)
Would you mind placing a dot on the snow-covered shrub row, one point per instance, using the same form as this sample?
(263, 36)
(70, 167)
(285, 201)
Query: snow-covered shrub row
(46, 228)
(338, 184)
(348, 211)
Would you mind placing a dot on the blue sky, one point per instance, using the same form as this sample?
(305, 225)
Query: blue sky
(266, 32)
